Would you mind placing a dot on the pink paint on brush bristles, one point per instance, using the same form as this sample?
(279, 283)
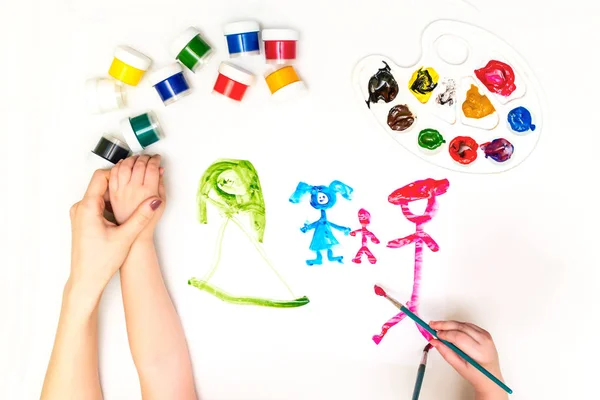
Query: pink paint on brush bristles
(379, 291)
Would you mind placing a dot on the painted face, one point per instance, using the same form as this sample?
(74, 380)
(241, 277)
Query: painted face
(364, 217)
(322, 198)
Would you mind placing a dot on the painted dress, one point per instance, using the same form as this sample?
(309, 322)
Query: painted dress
(323, 238)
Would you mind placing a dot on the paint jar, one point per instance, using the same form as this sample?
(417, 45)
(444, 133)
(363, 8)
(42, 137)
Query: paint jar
(170, 83)
(283, 82)
(103, 95)
(111, 149)
(233, 81)
(129, 65)
(191, 50)
(141, 131)
(280, 45)
(242, 38)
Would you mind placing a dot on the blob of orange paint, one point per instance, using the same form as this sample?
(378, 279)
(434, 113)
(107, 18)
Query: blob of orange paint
(477, 105)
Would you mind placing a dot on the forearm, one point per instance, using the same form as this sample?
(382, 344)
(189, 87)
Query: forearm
(489, 390)
(156, 337)
(73, 368)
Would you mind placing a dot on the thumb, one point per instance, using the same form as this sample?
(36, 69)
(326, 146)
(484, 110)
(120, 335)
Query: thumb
(140, 218)
(450, 356)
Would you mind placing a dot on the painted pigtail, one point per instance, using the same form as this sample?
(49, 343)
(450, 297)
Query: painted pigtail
(341, 188)
(301, 190)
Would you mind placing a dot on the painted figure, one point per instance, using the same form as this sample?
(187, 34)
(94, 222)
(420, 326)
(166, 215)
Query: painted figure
(322, 198)
(427, 189)
(233, 187)
(364, 217)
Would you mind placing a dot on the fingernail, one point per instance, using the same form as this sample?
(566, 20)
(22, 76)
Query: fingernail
(155, 204)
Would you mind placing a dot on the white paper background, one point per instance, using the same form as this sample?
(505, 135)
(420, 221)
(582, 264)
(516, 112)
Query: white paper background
(517, 249)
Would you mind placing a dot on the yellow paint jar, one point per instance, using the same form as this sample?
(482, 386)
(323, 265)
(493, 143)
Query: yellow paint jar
(284, 82)
(129, 65)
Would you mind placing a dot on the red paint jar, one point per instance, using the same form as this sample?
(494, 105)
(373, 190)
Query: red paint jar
(280, 45)
(233, 81)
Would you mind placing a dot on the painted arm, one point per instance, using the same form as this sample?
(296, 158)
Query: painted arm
(156, 338)
(308, 227)
(373, 237)
(344, 229)
(353, 233)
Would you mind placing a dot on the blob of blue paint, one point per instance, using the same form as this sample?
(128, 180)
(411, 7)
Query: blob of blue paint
(242, 38)
(322, 198)
(499, 150)
(520, 120)
(170, 83)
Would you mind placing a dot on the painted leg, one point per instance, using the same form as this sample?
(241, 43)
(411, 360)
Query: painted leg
(370, 256)
(386, 327)
(415, 309)
(357, 258)
(332, 258)
(316, 261)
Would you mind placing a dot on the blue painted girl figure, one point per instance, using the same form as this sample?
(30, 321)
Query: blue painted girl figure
(322, 198)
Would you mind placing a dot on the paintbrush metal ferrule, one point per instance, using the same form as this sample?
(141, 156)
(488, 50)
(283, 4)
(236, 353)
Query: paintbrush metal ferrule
(394, 301)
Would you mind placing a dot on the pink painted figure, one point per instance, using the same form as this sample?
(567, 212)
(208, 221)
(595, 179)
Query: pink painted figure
(426, 189)
(364, 217)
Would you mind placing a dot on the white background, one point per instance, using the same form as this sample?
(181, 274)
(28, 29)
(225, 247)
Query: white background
(517, 254)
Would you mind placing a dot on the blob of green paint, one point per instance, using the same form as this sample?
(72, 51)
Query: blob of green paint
(430, 139)
(233, 187)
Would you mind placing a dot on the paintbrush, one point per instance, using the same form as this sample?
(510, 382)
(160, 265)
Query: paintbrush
(380, 292)
(421, 373)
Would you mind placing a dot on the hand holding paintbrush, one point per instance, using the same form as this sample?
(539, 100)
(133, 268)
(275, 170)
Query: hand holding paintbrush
(468, 348)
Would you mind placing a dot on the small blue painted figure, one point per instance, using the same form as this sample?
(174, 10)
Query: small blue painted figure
(322, 198)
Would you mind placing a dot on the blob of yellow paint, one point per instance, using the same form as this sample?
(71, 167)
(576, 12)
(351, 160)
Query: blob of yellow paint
(477, 105)
(422, 83)
(125, 73)
(281, 78)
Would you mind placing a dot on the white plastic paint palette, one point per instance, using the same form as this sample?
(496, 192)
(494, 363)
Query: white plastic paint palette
(455, 50)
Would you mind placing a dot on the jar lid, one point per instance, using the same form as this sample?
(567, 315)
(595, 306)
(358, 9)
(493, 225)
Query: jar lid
(164, 73)
(129, 135)
(279, 34)
(236, 73)
(133, 57)
(235, 28)
(182, 40)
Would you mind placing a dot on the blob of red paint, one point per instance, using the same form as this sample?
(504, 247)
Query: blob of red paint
(379, 291)
(498, 77)
(463, 149)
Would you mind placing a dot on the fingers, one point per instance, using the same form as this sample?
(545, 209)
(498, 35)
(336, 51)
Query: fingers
(472, 330)
(125, 170)
(450, 356)
(161, 189)
(459, 338)
(153, 174)
(139, 170)
(98, 184)
(113, 184)
(141, 217)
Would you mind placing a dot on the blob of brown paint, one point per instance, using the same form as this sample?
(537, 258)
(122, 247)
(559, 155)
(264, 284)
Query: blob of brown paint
(477, 105)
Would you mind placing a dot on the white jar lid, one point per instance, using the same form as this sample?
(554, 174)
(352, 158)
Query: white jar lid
(236, 73)
(129, 136)
(241, 27)
(133, 57)
(103, 94)
(182, 40)
(293, 90)
(279, 34)
(164, 73)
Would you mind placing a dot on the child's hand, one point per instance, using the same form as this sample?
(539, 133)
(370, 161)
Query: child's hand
(132, 181)
(99, 247)
(477, 343)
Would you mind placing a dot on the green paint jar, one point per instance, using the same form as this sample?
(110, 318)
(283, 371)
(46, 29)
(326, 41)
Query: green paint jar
(430, 141)
(141, 131)
(191, 50)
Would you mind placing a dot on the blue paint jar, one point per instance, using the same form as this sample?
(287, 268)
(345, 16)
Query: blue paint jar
(170, 83)
(242, 38)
